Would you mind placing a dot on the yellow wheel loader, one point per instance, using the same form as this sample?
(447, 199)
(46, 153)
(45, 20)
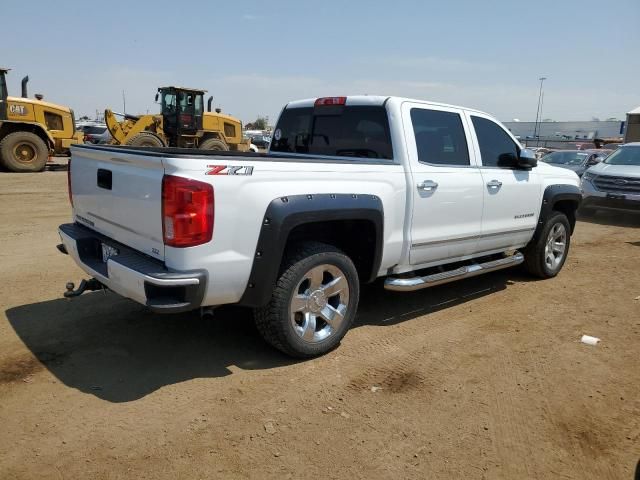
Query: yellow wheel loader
(31, 130)
(182, 122)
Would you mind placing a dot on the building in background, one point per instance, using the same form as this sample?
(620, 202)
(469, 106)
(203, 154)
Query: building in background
(632, 133)
(568, 130)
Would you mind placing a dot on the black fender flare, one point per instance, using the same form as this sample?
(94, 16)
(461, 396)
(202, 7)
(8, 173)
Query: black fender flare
(552, 195)
(286, 213)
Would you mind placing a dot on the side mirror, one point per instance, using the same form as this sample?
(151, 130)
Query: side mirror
(527, 159)
(593, 161)
(157, 97)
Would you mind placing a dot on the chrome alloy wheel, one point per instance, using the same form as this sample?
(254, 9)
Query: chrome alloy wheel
(556, 246)
(319, 303)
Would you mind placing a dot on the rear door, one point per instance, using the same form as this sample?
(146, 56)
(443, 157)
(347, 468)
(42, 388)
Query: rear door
(512, 197)
(447, 186)
(118, 193)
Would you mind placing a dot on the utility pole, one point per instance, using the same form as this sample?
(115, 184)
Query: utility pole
(536, 133)
(124, 103)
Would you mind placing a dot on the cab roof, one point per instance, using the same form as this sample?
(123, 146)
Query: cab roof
(4, 70)
(175, 87)
(377, 100)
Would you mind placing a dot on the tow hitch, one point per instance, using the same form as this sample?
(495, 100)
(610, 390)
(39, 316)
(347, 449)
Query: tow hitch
(91, 284)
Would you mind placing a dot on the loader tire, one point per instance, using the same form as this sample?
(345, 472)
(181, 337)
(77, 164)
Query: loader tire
(145, 139)
(214, 144)
(23, 152)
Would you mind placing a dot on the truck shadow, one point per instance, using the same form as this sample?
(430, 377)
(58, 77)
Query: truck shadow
(117, 350)
(613, 219)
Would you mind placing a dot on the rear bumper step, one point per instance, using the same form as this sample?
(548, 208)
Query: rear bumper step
(416, 283)
(131, 273)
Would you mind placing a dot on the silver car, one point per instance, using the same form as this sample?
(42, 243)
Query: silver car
(614, 183)
(576, 160)
(96, 134)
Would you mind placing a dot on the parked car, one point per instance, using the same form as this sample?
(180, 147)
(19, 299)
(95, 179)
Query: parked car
(96, 134)
(614, 184)
(575, 160)
(612, 146)
(261, 141)
(352, 189)
(540, 151)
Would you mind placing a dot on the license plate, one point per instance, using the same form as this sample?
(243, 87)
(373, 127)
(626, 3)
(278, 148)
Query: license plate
(617, 196)
(108, 251)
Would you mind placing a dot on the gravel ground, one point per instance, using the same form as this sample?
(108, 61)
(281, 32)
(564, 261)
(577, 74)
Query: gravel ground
(483, 379)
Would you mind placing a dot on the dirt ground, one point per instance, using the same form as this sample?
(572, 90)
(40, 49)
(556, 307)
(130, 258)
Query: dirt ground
(483, 379)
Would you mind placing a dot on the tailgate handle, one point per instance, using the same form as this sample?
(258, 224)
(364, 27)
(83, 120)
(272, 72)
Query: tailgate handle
(105, 178)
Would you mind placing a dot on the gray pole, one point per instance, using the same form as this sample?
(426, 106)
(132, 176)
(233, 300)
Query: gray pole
(536, 133)
(124, 103)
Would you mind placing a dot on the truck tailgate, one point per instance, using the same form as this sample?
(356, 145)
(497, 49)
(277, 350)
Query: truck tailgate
(120, 196)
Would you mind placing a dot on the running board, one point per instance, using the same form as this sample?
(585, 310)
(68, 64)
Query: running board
(416, 283)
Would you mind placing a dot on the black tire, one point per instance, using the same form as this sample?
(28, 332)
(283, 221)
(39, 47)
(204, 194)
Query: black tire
(536, 255)
(23, 152)
(214, 144)
(145, 139)
(275, 321)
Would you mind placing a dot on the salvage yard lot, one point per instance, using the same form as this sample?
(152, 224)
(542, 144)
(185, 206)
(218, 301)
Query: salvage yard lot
(483, 378)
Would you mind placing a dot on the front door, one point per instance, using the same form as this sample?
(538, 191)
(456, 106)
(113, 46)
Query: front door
(512, 197)
(446, 187)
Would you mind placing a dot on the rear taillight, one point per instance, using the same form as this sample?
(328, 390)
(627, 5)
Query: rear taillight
(187, 212)
(69, 182)
(330, 101)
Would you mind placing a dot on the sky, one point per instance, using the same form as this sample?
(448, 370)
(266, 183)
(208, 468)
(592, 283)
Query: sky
(254, 56)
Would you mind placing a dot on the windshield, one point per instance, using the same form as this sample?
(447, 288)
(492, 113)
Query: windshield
(566, 158)
(624, 156)
(344, 131)
(168, 102)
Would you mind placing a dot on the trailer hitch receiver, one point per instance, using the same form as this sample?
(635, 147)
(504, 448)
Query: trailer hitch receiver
(91, 284)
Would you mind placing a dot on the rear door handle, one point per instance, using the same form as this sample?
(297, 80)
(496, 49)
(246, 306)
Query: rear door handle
(427, 186)
(494, 184)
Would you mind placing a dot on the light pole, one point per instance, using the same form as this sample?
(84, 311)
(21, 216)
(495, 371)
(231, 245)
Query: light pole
(536, 133)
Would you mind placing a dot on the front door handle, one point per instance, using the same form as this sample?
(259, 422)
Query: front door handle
(494, 184)
(427, 186)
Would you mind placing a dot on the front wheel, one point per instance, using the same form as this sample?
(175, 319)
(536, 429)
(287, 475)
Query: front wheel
(23, 152)
(145, 139)
(314, 301)
(545, 255)
(214, 144)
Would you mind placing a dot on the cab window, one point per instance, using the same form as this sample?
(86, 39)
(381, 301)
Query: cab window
(497, 149)
(440, 138)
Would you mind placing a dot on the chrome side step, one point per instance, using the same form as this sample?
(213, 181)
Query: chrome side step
(416, 283)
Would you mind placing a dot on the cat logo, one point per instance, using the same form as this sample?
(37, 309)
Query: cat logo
(17, 109)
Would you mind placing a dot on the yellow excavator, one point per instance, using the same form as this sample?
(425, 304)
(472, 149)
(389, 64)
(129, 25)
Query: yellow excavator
(31, 129)
(182, 122)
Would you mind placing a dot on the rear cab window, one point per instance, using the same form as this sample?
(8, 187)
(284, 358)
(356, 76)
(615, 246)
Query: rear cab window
(353, 131)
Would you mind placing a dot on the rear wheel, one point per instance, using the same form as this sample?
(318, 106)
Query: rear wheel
(145, 139)
(23, 152)
(214, 144)
(545, 256)
(314, 301)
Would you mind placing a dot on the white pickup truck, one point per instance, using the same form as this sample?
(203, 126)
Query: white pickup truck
(352, 189)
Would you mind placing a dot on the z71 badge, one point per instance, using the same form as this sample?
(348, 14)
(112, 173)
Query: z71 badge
(229, 170)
